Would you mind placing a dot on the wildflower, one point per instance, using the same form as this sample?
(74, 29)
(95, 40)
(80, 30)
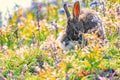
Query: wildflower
(18, 20)
(81, 74)
(83, 5)
(25, 68)
(53, 26)
(1, 68)
(95, 20)
(37, 68)
(118, 10)
(24, 14)
(57, 62)
(11, 75)
(33, 6)
(61, 11)
(94, 3)
(54, 48)
(44, 48)
(54, 2)
(118, 27)
(103, 78)
(62, 65)
(5, 47)
(53, 23)
(41, 73)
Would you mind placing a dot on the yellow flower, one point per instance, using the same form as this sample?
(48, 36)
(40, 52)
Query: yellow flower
(114, 1)
(62, 65)
(97, 49)
(29, 16)
(52, 78)
(87, 64)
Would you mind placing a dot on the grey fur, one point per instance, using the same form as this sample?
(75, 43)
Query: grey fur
(86, 22)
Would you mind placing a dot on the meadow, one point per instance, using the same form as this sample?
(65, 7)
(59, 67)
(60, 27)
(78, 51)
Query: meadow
(29, 51)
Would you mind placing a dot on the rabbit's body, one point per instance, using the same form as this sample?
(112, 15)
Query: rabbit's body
(83, 21)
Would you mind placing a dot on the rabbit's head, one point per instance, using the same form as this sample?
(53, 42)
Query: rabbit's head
(81, 21)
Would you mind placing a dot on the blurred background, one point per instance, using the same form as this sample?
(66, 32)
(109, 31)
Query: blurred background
(8, 8)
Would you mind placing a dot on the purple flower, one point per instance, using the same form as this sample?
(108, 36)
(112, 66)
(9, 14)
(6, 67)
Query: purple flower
(18, 20)
(94, 3)
(25, 68)
(1, 68)
(61, 11)
(54, 48)
(43, 48)
(83, 5)
(11, 75)
(95, 20)
(57, 62)
(54, 2)
(33, 6)
(24, 14)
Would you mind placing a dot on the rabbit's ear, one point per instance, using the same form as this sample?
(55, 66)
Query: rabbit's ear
(76, 9)
(66, 11)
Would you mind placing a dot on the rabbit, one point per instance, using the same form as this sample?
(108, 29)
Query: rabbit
(82, 21)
